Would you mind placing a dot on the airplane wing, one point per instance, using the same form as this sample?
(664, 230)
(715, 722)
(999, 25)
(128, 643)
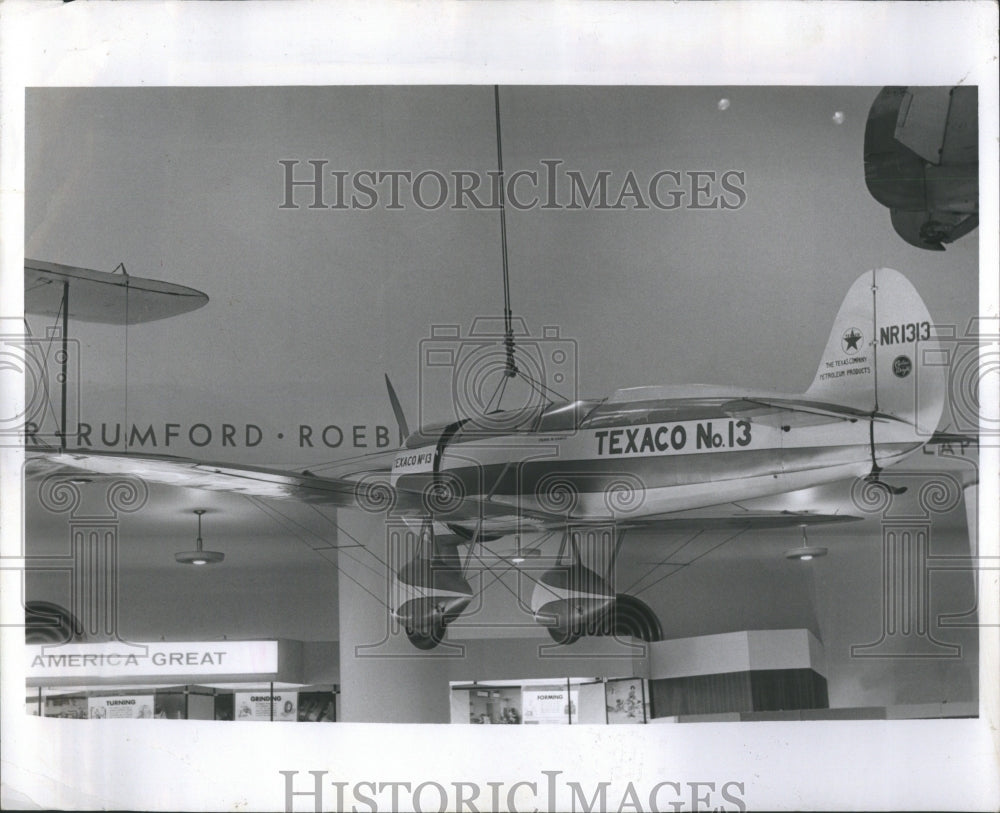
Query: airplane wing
(365, 486)
(732, 516)
(253, 481)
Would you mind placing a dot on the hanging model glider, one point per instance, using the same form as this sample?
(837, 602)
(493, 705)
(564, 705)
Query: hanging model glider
(656, 457)
(62, 291)
(922, 161)
(51, 289)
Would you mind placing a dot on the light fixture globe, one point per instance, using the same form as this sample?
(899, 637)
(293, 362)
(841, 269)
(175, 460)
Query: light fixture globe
(806, 552)
(200, 556)
(521, 555)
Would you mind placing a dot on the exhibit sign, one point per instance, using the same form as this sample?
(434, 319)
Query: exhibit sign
(131, 707)
(625, 699)
(258, 705)
(317, 707)
(67, 708)
(549, 705)
(119, 659)
(171, 704)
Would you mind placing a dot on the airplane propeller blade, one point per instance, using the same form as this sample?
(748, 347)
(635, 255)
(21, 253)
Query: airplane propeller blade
(397, 410)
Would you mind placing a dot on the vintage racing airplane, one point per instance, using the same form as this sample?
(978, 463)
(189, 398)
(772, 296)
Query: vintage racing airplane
(654, 457)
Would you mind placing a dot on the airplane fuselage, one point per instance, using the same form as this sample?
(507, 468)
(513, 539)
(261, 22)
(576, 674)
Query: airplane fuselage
(625, 460)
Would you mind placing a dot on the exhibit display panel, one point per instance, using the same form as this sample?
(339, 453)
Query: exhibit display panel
(548, 701)
(277, 703)
(264, 680)
(488, 705)
(551, 704)
(626, 701)
(121, 706)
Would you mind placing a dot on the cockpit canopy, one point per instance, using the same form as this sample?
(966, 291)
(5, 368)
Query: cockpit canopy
(562, 416)
(569, 416)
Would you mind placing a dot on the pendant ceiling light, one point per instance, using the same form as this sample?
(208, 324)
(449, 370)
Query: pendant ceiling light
(806, 552)
(199, 556)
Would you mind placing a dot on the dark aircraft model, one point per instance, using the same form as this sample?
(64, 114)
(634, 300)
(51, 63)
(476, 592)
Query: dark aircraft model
(922, 161)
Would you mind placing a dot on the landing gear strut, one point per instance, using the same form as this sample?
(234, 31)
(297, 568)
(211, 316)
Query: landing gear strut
(572, 601)
(434, 590)
(628, 616)
(427, 640)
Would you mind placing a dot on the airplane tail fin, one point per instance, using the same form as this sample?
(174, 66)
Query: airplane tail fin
(397, 410)
(883, 354)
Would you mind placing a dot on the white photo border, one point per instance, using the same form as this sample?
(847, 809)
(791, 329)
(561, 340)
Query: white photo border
(926, 764)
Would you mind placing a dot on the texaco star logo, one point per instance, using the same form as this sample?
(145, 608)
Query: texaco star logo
(851, 341)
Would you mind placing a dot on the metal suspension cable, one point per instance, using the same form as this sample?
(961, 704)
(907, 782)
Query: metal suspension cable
(876, 468)
(511, 370)
(125, 274)
(681, 566)
(508, 340)
(666, 560)
(497, 395)
(65, 364)
(543, 390)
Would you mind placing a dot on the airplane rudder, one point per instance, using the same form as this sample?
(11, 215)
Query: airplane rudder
(882, 353)
(845, 374)
(912, 378)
